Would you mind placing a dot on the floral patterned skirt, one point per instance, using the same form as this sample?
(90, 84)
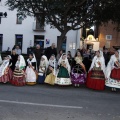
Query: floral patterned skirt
(78, 75)
(7, 76)
(114, 80)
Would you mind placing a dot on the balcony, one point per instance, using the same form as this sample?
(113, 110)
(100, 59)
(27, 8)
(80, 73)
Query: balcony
(37, 27)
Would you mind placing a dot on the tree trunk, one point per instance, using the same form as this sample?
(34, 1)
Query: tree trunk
(60, 40)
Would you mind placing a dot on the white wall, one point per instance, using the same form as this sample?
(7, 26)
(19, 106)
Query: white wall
(9, 28)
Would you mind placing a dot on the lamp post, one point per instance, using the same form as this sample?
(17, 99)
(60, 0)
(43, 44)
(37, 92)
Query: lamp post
(3, 15)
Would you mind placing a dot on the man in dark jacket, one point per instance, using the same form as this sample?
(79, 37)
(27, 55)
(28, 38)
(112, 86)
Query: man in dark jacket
(106, 55)
(38, 53)
(50, 51)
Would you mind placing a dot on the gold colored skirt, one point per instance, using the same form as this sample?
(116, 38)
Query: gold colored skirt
(50, 79)
(30, 83)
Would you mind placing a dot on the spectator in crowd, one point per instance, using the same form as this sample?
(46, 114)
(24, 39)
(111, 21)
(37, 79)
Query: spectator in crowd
(70, 58)
(59, 54)
(82, 51)
(106, 55)
(69, 53)
(14, 58)
(18, 50)
(87, 59)
(50, 51)
(78, 50)
(14, 47)
(38, 53)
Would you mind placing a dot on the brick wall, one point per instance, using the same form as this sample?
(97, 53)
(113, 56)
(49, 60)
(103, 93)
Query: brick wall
(109, 29)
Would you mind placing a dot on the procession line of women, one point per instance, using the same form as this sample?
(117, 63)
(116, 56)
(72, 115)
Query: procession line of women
(60, 72)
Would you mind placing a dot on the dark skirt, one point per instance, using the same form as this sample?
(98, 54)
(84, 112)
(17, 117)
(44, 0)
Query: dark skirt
(41, 79)
(87, 62)
(18, 78)
(78, 75)
(96, 80)
(63, 73)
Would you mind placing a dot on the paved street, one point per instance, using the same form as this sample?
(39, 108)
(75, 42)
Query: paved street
(44, 102)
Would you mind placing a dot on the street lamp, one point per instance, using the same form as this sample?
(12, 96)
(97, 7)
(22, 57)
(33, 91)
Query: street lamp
(3, 15)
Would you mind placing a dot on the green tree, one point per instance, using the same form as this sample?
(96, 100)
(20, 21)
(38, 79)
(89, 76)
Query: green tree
(66, 15)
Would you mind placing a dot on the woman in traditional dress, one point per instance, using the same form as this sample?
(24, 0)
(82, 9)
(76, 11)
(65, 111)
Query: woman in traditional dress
(96, 75)
(31, 74)
(14, 58)
(42, 69)
(113, 72)
(63, 77)
(51, 71)
(19, 74)
(5, 71)
(78, 74)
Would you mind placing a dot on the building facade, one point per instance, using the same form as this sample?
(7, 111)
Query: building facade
(108, 35)
(27, 32)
